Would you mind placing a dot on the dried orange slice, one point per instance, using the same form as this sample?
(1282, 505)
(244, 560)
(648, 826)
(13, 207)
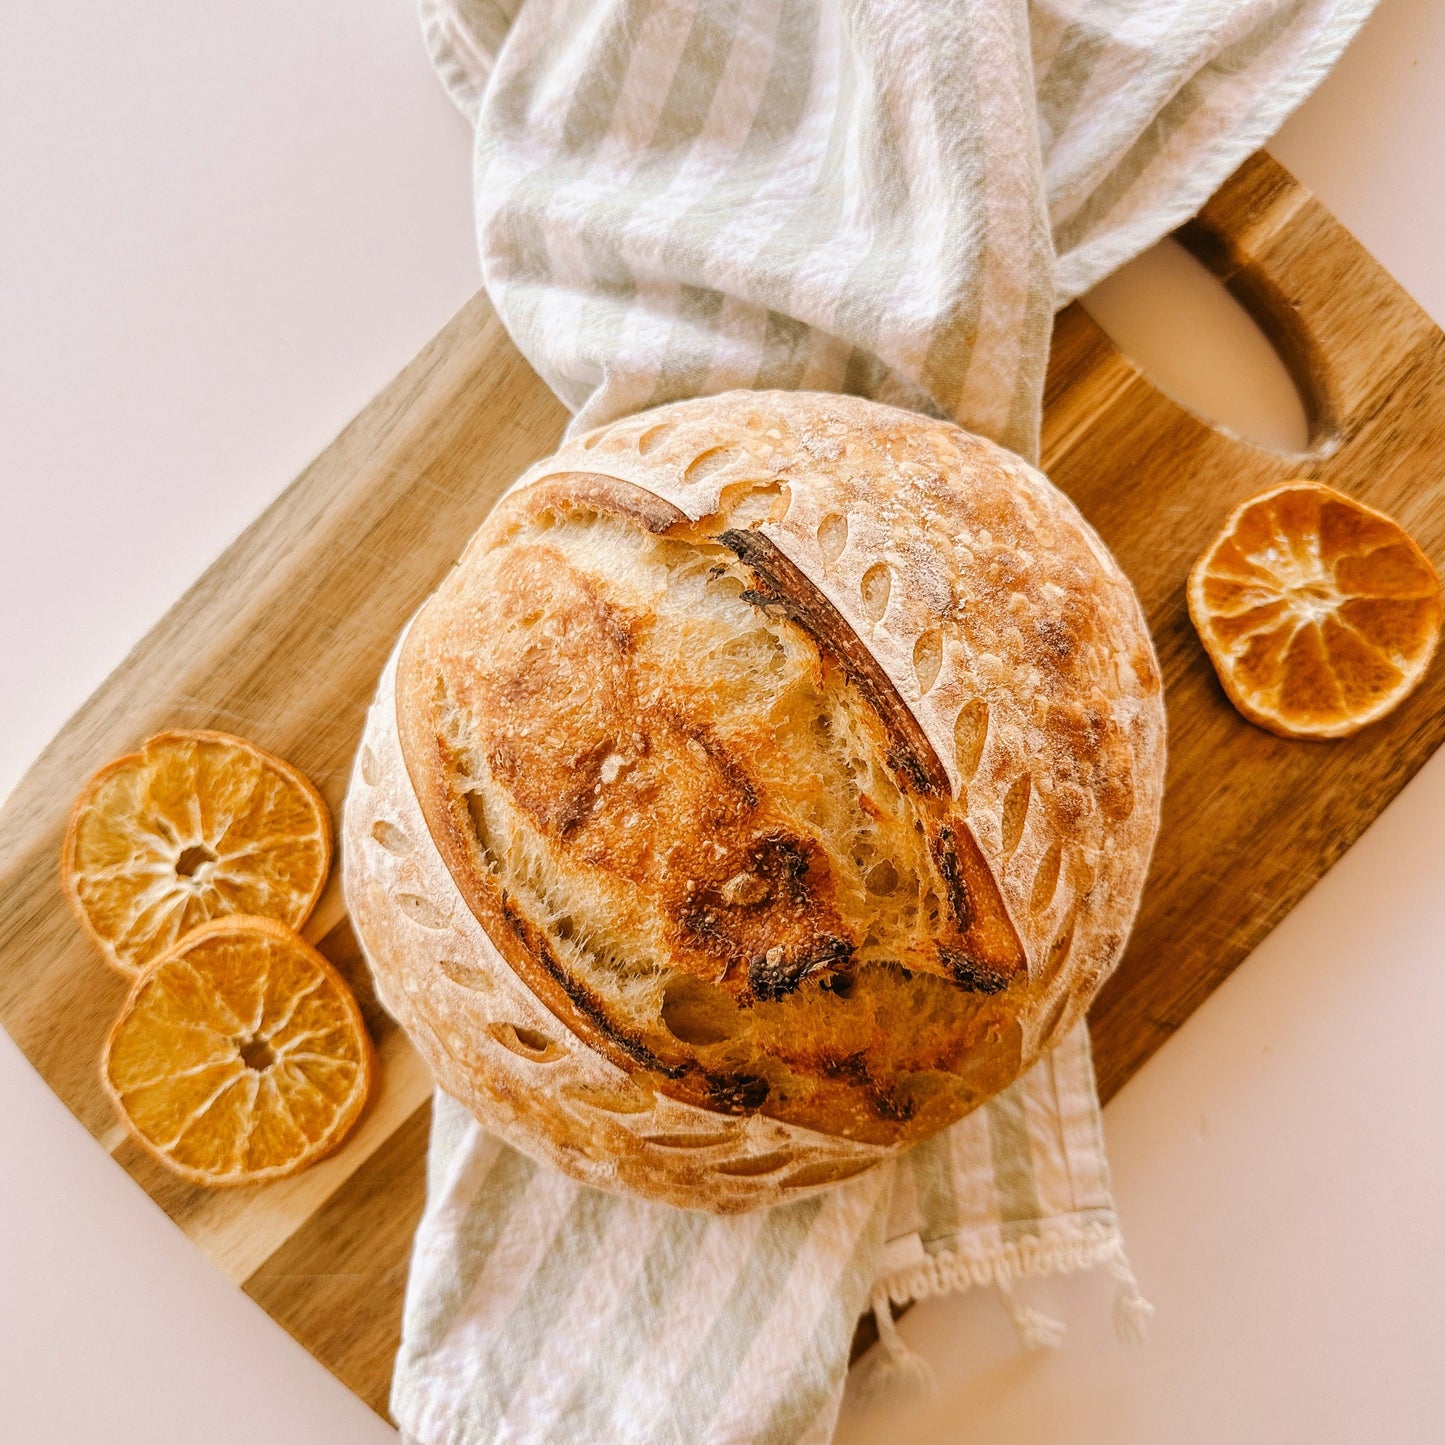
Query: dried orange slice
(240, 1055)
(194, 826)
(1319, 614)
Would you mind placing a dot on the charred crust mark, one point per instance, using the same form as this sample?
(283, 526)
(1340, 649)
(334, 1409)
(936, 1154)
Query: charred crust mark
(890, 1106)
(733, 772)
(779, 583)
(580, 997)
(772, 975)
(578, 801)
(976, 975)
(853, 1069)
(903, 761)
(700, 922)
(835, 953)
(945, 854)
(986, 952)
(778, 858)
(728, 1093)
(574, 808)
(736, 1093)
(768, 919)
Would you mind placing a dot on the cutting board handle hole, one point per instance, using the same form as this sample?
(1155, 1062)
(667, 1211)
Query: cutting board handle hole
(1177, 322)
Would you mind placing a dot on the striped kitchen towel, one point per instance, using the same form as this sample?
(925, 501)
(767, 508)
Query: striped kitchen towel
(541, 1310)
(886, 197)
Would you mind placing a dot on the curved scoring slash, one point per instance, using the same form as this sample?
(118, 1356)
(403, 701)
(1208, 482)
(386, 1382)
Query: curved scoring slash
(832, 537)
(759, 1164)
(688, 1141)
(466, 975)
(875, 590)
(626, 1099)
(421, 910)
(780, 583)
(391, 837)
(529, 1044)
(826, 1171)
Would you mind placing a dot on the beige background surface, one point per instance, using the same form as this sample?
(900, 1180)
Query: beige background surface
(224, 229)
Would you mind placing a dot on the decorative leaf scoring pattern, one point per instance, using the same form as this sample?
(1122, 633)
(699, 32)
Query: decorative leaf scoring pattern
(832, 537)
(1055, 1015)
(970, 733)
(625, 1099)
(653, 437)
(465, 975)
(928, 659)
(752, 1168)
(528, 1043)
(825, 1171)
(370, 773)
(687, 1141)
(875, 588)
(1059, 948)
(391, 837)
(714, 460)
(784, 503)
(420, 910)
(1046, 880)
(1016, 810)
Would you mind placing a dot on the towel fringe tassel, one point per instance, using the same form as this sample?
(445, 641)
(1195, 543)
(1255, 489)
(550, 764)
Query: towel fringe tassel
(1035, 1329)
(954, 1271)
(1132, 1312)
(897, 1370)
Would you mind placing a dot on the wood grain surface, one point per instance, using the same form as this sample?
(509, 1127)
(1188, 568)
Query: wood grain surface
(282, 639)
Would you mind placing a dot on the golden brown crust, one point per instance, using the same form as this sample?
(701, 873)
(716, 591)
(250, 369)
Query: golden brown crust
(779, 583)
(959, 620)
(492, 1043)
(750, 903)
(962, 567)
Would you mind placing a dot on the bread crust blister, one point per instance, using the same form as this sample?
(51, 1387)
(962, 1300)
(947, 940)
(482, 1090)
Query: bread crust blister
(779, 774)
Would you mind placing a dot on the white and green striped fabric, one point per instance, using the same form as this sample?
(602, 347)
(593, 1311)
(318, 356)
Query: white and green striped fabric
(888, 197)
(541, 1310)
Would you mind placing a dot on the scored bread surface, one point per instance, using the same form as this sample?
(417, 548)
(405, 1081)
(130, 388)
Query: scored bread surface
(796, 761)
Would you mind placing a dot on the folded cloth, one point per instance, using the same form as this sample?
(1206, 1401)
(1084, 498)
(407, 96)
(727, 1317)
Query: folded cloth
(677, 197)
(541, 1310)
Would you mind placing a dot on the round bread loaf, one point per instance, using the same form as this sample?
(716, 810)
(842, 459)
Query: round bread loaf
(771, 781)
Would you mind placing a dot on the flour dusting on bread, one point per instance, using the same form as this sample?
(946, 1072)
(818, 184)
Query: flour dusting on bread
(800, 757)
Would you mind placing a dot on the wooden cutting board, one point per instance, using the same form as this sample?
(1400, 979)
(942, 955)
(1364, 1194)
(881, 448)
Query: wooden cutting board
(283, 638)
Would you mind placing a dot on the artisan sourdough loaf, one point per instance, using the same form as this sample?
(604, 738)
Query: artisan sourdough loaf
(771, 781)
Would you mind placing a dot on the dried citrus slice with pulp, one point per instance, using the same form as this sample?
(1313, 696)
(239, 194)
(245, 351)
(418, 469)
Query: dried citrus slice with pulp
(240, 1055)
(193, 826)
(1319, 614)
